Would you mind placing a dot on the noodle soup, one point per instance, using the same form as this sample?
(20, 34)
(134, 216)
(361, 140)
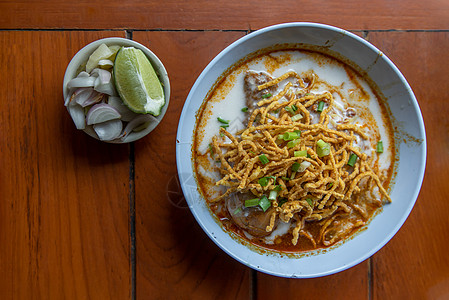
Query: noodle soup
(293, 150)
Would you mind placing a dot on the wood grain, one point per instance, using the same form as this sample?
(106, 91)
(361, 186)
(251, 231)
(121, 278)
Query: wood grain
(419, 250)
(175, 258)
(243, 15)
(64, 196)
(349, 284)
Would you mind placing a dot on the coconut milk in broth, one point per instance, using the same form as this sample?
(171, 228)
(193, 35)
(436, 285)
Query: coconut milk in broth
(354, 101)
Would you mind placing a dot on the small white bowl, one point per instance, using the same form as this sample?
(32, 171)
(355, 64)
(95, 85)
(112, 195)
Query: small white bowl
(82, 56)
(410, 166)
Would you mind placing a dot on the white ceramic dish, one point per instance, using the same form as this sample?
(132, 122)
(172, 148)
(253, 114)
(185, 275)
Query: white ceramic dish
(83, 55)
(406, 115)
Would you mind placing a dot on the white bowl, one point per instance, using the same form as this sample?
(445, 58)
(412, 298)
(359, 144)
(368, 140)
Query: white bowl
(410, 166)
(82, 56)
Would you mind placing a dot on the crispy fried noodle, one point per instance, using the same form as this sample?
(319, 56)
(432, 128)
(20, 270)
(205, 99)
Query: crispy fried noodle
(302, 168)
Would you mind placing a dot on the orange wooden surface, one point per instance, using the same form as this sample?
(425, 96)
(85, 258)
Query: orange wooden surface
(64, 196)
(173, 253)
(80, 219)
(243, 15)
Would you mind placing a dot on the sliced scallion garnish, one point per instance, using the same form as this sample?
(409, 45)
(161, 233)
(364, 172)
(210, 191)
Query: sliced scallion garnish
(320, 106)
(295, 167)
(263, 181)
(273, 195)
(352, 160)
(264, 203)
(288, 136)
(310, 201)
(267, 95)
(301, 153)
(322, 148)
(264, 159)
(292, 144)
(245, 109)
(379, 147)
(222, 120)
(252, 202)
(296, 117)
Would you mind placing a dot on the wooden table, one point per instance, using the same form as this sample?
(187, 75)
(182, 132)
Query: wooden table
(81, 219)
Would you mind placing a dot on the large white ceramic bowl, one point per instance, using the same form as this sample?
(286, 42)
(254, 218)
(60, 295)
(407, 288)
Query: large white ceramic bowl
(82, 56)
(406, 116)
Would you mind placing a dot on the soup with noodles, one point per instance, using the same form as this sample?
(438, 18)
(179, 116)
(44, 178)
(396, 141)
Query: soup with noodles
(293, 150)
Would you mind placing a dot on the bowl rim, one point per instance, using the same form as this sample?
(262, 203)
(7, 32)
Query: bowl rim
(421, 167)
(80, 57)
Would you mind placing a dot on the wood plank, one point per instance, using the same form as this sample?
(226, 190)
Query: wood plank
(415, 264)
(175, 258)
(349, 284)
(344, 285)
(199, 14)
(64, 196)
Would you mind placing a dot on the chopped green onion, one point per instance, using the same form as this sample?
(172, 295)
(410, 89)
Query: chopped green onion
(320, 106)
(276, 111)
(225, 126)
(308, 94)
(263, 181)
(329, 185)
(264, 203)
(211, 149)
(380, 147)
(292, 144)
(285, 178)
(308, 155)
(273, 195)
(295, 167)
(289, 109)
(293, 176)
(296, 118)
(237, 211)
(245, 109)
(222, 120)
(310, 201)
(282, 201)
(252, 152)
(263, 159)
(252, 202)
(294, 107)
(265, 96)
(352, 160)
(288, 136)
(301, 153)
(304, 166)
(277, 188)
(322, 148)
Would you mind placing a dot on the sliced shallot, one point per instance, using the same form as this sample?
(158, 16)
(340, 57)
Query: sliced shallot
(81, 82)
(117, 103)
(103, 83)
(77, 113)
(141, 121)
(108, 131)
(100, 113)
(86, 96)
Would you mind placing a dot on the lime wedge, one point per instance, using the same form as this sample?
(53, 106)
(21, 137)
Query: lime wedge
(137, 83)
(102, 52)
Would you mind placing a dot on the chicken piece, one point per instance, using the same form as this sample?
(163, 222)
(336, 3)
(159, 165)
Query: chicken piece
(251, 219)
(251, 81)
